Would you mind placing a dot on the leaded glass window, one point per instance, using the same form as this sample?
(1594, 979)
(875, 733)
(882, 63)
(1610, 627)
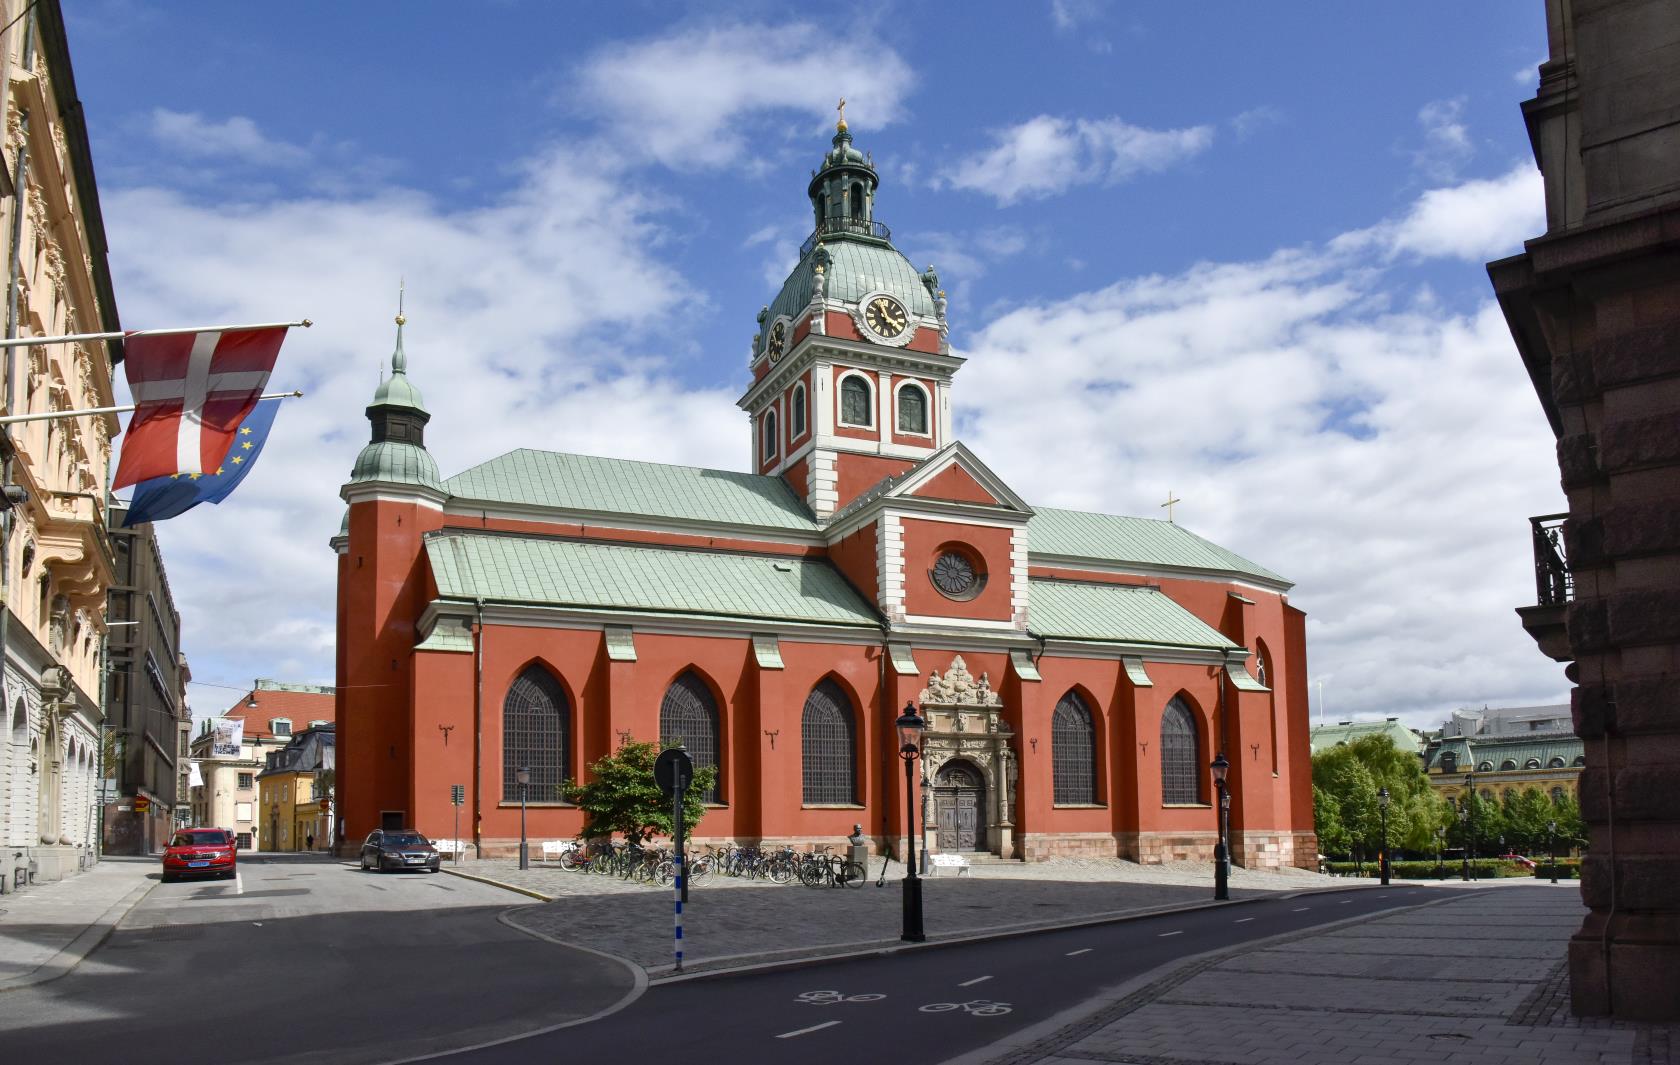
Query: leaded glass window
(536, 732)
(1181, 775)
(912, 410)
(688, 715)
(796, 417)
(1073, 752)
(856, 404)
(770, 448)
(828, 746)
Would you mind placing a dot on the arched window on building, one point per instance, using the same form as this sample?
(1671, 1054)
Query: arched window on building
(796, 413)
(688, 714)
(857, 201)
(1557, 795)
(1532, 763)
(912, 409)
(1484, 767)
(536, 734)
(1263, 674)
(1580, 760)
(1073, 753)
(1507, 765)
(771, 448)
(828, 746)
(1181, 771)
(857, 401)
(1555, 763)
(1449, 762)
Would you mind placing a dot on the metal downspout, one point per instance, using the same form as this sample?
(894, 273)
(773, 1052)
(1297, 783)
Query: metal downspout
(478, 725)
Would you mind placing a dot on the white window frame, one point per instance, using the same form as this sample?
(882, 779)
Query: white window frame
(770, 436)
(798, 404)
(927, 408)
(840, 400)
(275, 723)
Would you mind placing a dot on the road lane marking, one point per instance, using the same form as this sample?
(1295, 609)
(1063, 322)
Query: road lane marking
(1164, 935)
(1300, 909)
(238, 883)
(1344, 902)
(976, 980)
(808, 1031)
(1071, 953)
(1240, 920)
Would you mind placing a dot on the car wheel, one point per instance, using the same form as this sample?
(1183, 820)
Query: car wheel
(168, 878)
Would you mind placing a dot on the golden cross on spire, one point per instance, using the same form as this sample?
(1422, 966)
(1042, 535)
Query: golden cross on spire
(842, 109)
(1169, 504)
(402, 286)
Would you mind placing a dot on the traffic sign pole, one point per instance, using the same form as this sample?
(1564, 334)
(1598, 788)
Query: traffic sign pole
(680, 888)
(457, 795)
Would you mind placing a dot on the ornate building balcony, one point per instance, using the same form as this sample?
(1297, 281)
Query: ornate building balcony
(1554, 586)
(859, 227)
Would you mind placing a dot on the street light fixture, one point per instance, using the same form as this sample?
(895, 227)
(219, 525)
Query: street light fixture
(1551, 847)
(1382, 855)
(523, 776)
(910, 726)
(1469, 799)
(1221, 851)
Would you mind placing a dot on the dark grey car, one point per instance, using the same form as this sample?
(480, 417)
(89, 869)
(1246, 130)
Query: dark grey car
(387, 850)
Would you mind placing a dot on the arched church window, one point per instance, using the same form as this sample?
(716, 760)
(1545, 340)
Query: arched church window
(770, 443)
(1073, 752)
(1181, 777)
(796, 416)
(857, 403)
(536, 734)
(688, 715)
(912, 409)
(857, 201)
(828, 747)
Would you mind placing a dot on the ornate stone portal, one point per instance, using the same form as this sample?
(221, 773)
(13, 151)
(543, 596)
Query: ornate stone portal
(967, 749)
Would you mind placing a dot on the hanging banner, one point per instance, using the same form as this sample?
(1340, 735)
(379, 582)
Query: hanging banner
(228, 736)
(195, 779)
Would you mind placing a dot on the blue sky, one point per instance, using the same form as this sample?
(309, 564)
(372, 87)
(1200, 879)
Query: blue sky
(1226, 249)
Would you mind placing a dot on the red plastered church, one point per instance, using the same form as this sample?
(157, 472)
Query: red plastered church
(1078, 671)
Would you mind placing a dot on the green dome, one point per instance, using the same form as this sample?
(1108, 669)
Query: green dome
(398, 391)
(855, 269)
(397, 463)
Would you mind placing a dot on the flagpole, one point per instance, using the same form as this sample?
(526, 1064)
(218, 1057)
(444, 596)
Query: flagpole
(13, 419)
(73, 338)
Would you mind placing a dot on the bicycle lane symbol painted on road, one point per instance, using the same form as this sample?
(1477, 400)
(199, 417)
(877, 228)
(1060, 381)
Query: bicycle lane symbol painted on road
(980, 1007)
(833, 998)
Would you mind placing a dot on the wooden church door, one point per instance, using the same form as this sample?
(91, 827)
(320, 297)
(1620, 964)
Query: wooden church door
(959, 796)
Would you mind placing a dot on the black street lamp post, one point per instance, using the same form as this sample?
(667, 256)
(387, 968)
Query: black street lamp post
(910, 727)
(1470, 855)
(1551, 847)
(1222, 849)
(1464, 835)
(523, 776)
(1382, 855)
(1440, 841)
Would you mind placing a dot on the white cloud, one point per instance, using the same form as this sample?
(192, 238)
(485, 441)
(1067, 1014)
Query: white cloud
(236, 138)
(1477, 220)
(1070, 15)
(1046, 155)
(684, 99)
(1255, 119)
(1446, 140)
(1386, 459)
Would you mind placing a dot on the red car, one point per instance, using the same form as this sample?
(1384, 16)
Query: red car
(200, 852)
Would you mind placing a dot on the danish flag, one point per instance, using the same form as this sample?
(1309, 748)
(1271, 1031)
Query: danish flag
(191, 391)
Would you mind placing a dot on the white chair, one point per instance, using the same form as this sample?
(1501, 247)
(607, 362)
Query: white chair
(554, 849)
(950, 861)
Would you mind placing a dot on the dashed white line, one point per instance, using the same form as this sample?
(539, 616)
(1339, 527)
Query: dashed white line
(238, 883)
(1164, 935)
(976, 980)
(808, 1031)
(1240, 920)
(1300, 909)
(1345, 902)
(1086, 950)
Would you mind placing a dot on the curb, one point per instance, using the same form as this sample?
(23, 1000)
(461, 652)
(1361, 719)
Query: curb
(71, 954)
(527, 892)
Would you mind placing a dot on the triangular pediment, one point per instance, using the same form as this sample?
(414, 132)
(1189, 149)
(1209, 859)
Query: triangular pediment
(954, 475)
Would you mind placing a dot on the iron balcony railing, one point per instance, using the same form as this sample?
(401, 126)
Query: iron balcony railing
(832, 226)
(1554, 585)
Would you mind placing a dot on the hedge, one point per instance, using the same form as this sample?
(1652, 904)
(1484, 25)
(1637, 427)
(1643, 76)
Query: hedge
(1481, 868)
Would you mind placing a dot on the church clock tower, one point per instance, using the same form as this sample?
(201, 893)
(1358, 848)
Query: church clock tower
(851, 363)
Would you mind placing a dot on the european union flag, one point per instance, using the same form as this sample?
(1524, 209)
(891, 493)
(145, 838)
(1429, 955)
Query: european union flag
(165, 497)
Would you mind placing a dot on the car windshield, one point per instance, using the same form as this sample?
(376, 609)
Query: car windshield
(404, 839)
(198, 839)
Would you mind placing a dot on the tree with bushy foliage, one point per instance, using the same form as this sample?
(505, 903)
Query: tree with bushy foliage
(1351, 775)
(1333, 836)
(622, 797)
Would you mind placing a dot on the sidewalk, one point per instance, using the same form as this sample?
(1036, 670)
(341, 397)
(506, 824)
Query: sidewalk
(1476, 979)
(47, 928)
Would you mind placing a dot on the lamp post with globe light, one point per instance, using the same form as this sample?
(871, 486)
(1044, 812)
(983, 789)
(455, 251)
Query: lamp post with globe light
(522, 776)
(1222, 850)
(910, 727)
(1382, 855)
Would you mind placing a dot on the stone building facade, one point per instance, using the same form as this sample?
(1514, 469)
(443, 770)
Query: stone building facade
(55, 559)
(271, 713)
(1594, 307)
(1080, 670)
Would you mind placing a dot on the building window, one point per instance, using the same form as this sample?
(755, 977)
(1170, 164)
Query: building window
(912, 409)
(1580, 760)
(247, 781)
(1181, 776)
(1484, 767)
(770, 442)
(828, 746)
(1073, 753)
(1555, 763)
(1507, 765)
(280, 727)
(796, 411)
(1532, 763)
(857, 403)
(688, 715)
(1557, 795)
(244, 841)
(1449, 762)
(536, 730)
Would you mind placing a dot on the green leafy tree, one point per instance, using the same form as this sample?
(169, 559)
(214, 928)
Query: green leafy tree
(1571, 830)
(1483, 828)
(621, 797)
(1333, 837)
(1352, 775)
(1527, 813)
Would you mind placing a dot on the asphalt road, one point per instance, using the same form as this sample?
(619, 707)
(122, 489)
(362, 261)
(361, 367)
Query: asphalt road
(920, 1006)
(307, 960)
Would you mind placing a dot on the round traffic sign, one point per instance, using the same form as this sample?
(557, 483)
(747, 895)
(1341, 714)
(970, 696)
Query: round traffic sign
(672, 770)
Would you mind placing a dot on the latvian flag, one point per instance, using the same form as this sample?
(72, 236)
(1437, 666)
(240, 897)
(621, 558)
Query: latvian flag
(191, 391)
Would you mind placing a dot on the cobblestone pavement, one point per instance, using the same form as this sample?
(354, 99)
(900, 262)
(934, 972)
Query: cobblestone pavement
(1480, 980)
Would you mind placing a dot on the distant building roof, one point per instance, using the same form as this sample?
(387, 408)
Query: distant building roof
(1494, 754)
(1405, 739)
(307, 752)
(1508, 720)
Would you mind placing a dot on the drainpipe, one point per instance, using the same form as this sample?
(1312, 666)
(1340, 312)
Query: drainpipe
(478, 725)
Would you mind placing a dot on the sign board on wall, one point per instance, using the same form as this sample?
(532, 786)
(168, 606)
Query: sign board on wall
(227, 737)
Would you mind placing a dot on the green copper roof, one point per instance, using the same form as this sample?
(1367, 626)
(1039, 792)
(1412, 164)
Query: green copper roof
(1404, 738)
(1472, 751)
(643, 579)
(1112, 538)
(634, 489)
(390, 461)
(857, 267)
(1112, 613)
(397, 390)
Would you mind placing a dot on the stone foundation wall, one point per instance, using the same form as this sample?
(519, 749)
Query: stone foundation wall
(1154, 848)
(1275, 850)
(1037, 846)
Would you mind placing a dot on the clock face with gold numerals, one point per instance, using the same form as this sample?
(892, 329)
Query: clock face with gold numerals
(886, 316)
(778, 340)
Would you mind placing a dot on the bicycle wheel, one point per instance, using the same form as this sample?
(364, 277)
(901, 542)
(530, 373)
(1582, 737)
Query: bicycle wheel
(781, 871)
(810, 874)
(852, 875)
(994, 1010)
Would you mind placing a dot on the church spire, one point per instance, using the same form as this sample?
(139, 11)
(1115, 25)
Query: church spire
(396, 451)
(842, 190)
